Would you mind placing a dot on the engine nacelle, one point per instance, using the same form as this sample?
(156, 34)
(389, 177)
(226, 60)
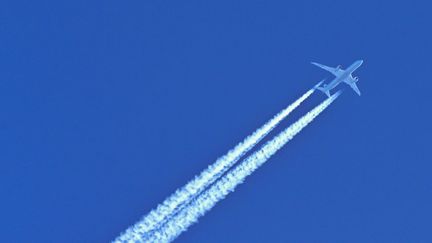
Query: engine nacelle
(356, 79)
(338, 67)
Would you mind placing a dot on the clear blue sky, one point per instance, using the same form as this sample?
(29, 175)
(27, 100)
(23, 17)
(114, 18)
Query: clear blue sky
(106, 107)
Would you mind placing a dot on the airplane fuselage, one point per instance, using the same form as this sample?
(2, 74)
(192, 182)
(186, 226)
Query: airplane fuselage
(341, 76)
(346, 76)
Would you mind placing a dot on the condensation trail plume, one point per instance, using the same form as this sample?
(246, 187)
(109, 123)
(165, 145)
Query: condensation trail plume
(184, 195)
(203, 203)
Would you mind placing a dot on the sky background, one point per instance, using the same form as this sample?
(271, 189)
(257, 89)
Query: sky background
(106, 107)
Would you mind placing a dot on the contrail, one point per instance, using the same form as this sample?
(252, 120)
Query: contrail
(203, 203)
(184, 195)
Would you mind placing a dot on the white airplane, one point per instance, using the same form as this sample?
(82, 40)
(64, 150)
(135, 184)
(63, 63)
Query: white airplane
(341, 76)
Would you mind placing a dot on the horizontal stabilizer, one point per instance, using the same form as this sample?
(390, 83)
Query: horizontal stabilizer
(324, 90)
(319, 84)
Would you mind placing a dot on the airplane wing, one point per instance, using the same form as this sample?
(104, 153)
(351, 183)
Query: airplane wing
(335, 71)
(355, 88)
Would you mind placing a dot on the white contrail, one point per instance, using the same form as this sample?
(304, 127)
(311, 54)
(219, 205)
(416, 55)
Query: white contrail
(203, 203)
(184, 195)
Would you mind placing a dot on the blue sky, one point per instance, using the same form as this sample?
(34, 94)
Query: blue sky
(107, 107)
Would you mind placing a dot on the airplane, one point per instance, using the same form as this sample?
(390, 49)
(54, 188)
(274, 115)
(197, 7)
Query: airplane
(341, 76)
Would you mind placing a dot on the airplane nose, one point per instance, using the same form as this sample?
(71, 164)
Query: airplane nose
(360, 62)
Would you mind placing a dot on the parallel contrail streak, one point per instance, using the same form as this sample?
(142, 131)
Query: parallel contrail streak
(203, 203)
(184, 195)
